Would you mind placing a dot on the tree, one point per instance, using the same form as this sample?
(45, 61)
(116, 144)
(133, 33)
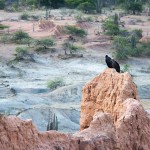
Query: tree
(86, 7)
(2, 4)
(98, 5)
(52, 3)
(74, 3)
(134, 7)
(31, 2)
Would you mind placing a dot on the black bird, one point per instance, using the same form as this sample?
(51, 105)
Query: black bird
(111, 63)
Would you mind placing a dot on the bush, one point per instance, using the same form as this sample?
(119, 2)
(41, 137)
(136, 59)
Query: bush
(31, 2)
(111, 27)
(35, 17)
(2, 27)
(5, 39)
(124, 33)
(21, 50)
(53, 84)
(134, 7)
(10, 9)
(144, 49)
(2, 4)
(73, 3)
(126, 68)
(75, 31)
(88, 19)
(79, 17)
(86, 7)
(22, 53)
(124, 48)
(24, 16)
(43, 44)
(72, 48)
(121, 44)
(19, 35)
(134, 52)
(137, 33)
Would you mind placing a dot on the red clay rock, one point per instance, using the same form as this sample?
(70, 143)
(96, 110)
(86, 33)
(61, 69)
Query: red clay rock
(115, 94)
(112, 118)
(100, 135)
(106, 93)
(16, 134)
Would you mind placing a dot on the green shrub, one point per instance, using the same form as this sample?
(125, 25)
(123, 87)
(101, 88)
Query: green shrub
(79, 17)
(35, 17)
(124, 48)
(121, 44)
(88, 19)
(2, 27)
(134, 52)
(126, 68)
(75, 31)
(134, 7)
(26, 41)
(31, 2)
(22, 50)
(72, 48)
(144, 49)
(19, 35)
(53, 84)
(10, 9)
(5, 39)
(73, 3)
(124, 33)
(2, 4)
(22, 53)
(110, 27)
(137, 33)
(43, 44)
(24, 16)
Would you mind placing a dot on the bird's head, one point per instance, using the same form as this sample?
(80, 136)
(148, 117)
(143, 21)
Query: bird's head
(106, 56)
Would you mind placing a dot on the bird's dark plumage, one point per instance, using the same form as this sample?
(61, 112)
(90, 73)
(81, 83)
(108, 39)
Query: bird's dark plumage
(111, 63)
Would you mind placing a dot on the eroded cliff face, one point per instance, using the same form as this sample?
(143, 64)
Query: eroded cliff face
(106, 93)
(112, 118)
(115, 95)
(16, 134)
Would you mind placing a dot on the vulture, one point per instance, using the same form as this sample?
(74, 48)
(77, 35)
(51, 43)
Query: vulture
(111, 63)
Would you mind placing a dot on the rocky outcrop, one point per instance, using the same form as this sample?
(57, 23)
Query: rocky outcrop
(112, 118)
(16, 134)
(115, 95)
(106, 93)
